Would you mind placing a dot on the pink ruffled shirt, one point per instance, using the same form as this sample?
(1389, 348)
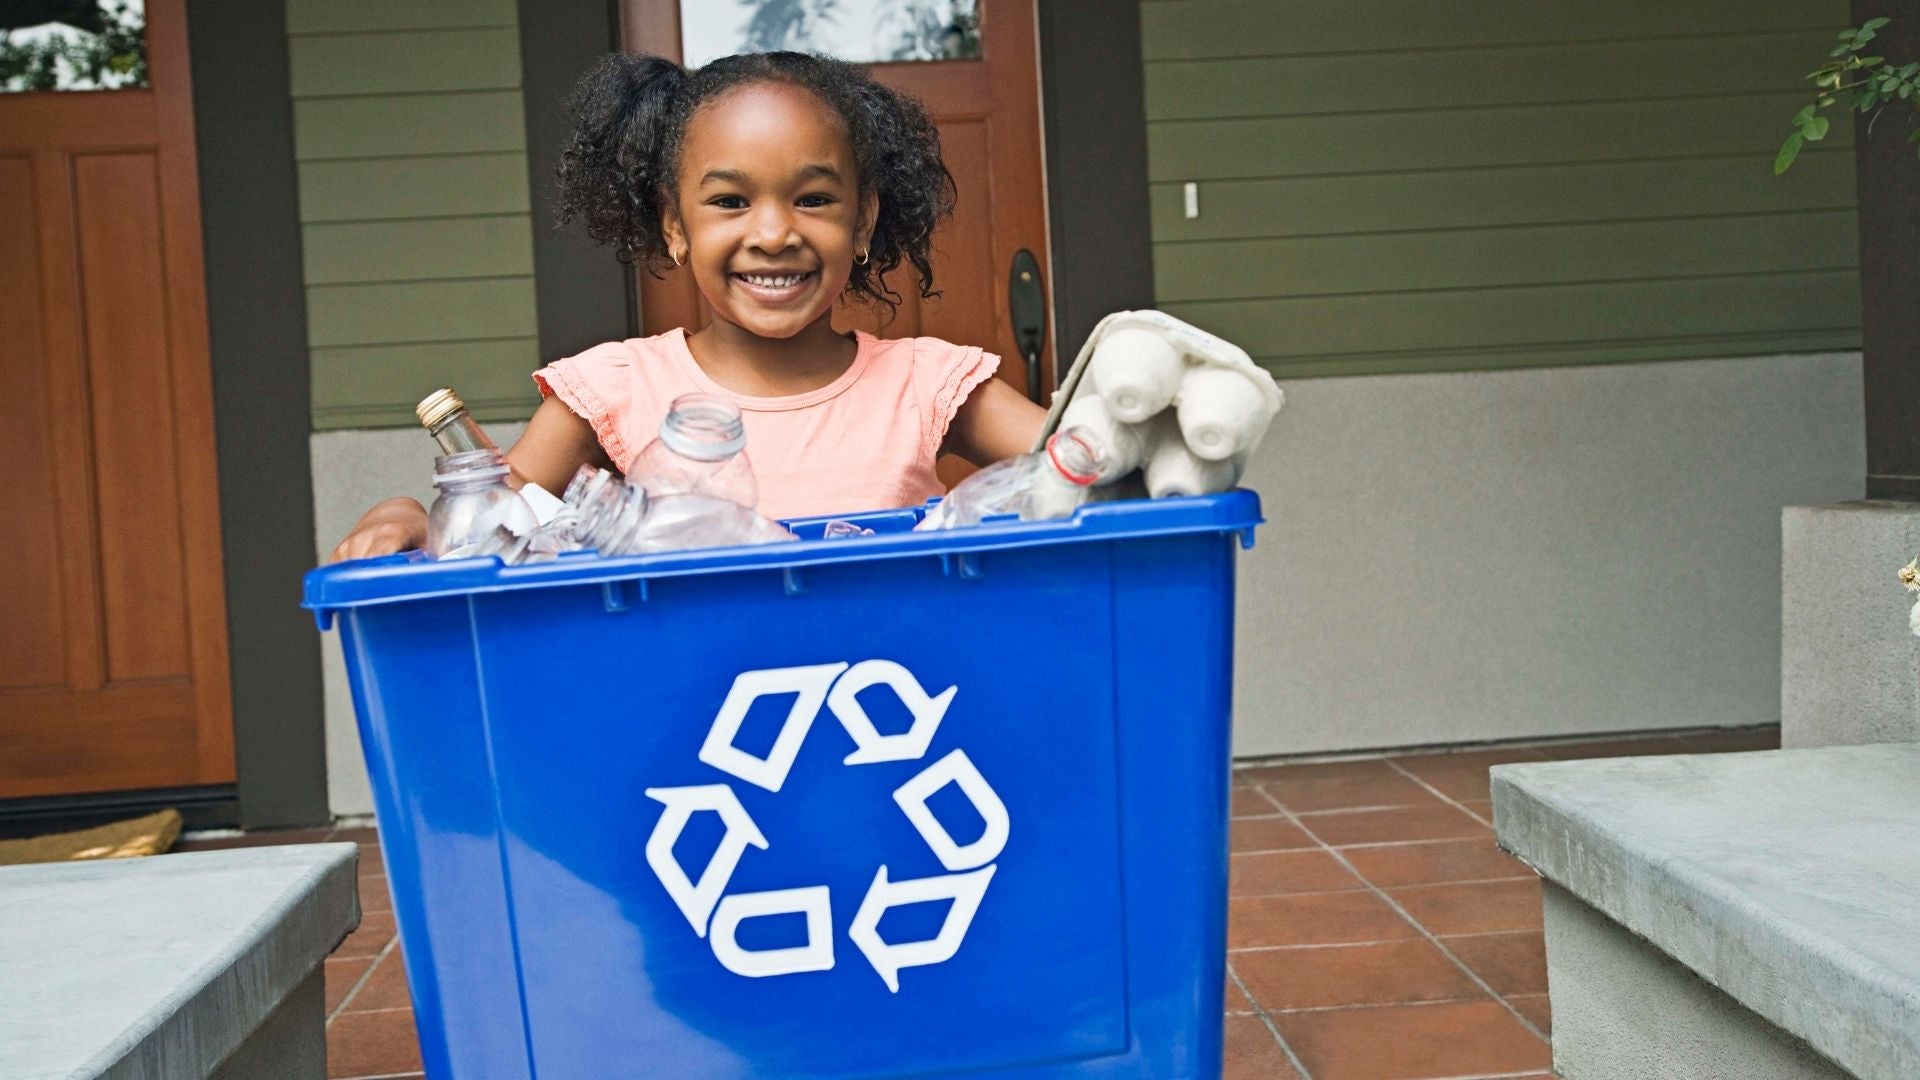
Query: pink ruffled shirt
(866, 441)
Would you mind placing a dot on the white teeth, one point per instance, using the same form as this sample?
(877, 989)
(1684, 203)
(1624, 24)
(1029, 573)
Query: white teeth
(766, 281)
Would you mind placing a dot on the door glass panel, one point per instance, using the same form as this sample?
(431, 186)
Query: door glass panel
(72, 45)
(863, 31)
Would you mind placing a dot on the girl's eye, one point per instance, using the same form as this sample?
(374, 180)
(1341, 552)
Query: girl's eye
(728, 202)
(816, 200)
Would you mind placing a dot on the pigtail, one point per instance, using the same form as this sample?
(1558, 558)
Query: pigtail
(903, 163)
(614, 175)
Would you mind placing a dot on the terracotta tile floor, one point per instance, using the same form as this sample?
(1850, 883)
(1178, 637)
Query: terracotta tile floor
(1375, 932)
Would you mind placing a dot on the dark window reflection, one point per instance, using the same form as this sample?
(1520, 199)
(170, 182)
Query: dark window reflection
(72, 45)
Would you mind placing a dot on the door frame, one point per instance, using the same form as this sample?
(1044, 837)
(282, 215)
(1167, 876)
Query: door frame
(1094, 123)
(256, 317)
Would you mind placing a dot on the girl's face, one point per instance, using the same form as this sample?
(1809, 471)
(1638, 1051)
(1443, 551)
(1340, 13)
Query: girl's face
(769, 215)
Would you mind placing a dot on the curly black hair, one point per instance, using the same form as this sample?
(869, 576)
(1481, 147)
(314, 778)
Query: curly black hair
(631, 114)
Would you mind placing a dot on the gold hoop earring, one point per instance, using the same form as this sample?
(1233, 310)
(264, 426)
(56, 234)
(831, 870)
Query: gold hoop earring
(678, 258)
(861, 259)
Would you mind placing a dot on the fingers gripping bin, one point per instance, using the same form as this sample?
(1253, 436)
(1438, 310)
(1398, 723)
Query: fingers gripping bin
(906, 804)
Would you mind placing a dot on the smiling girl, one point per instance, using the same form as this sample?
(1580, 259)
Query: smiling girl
(782, 182)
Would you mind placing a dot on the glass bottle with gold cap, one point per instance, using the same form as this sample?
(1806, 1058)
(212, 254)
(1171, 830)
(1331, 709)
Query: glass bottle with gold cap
(446, 418)
(476, 513)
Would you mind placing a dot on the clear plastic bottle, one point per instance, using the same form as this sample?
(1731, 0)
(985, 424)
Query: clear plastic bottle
(476, 513)
(701, 451)
(618, 518)
(679, 522)
(1051, 483)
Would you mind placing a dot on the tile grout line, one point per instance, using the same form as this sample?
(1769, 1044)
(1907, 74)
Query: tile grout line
(354, 990)
(1267, 1021)
(1374, 1004)
(1416, 885)
(1381, 941)
(1417, 925)
(1368, 844)
(1438, 794)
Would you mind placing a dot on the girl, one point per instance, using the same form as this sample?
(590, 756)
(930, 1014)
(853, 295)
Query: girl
(781, 182)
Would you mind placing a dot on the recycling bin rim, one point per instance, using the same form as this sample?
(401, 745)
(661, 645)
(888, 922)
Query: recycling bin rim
(411, 576)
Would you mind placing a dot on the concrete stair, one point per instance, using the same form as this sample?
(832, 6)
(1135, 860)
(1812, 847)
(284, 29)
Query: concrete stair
(205, 964)
(1751, 915)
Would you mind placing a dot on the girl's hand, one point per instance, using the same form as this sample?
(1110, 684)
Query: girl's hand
(394, 525)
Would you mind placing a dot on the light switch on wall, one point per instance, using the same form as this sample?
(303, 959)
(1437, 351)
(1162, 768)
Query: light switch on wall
(1193, 200)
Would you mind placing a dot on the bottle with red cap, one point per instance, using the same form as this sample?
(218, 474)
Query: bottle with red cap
(1051, 483)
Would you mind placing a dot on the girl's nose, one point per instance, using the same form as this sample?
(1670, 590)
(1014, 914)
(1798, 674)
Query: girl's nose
(771, 229)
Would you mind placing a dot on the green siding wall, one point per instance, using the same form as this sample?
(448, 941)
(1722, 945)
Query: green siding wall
(416, 234)
(1399, 185)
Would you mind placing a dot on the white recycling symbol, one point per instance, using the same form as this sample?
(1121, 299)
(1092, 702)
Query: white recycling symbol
(716, 914)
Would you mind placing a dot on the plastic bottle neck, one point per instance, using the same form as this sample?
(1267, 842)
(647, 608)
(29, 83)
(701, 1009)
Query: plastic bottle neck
(703, 427)
(1076, 455)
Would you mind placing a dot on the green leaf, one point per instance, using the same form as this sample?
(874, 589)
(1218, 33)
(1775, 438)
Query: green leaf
(1788, 151)
(1906, 92)
(1846, 35)
(1875, 24)
(1872, 61)
(1817, 128)
(1841, 50)
(1915, 137)
(1804, 115)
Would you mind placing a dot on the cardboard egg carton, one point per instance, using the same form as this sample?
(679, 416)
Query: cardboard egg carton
(1179, 410)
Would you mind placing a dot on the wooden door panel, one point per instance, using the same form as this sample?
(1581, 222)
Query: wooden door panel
(113, 657)
(34, 651)
(122, 737)
(64, 375)
(135, 461)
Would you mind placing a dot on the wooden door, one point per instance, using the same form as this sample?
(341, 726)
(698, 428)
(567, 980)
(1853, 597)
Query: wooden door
(988, 111)
(113, 653)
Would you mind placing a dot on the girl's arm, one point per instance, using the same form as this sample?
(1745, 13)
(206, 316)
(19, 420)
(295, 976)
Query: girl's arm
(994, 423)
(555, 445)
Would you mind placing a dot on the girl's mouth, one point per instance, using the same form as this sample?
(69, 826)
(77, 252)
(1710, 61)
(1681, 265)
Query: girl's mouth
(774, 288)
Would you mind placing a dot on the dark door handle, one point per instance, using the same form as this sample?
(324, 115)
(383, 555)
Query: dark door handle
(1027, 306)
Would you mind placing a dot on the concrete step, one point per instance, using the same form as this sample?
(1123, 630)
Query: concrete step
(1789, 880)
(206, 964)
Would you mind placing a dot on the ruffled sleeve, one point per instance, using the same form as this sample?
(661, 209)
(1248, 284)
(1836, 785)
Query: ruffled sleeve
(947, 375)
(598, 386)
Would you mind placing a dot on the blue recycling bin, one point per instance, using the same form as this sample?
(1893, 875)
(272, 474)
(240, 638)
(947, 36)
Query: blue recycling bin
(909, 804)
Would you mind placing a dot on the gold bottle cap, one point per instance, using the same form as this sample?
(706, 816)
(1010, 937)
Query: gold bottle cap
(437, 407)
